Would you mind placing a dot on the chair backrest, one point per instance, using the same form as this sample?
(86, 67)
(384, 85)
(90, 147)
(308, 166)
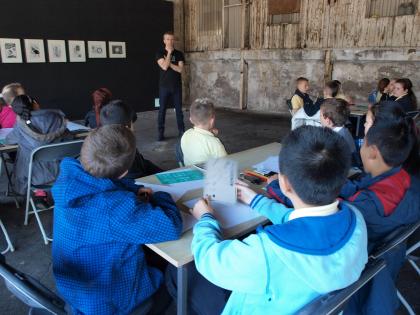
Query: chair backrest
(179, 154)
(31, 292)
(414, 114)
(394, 239)
(53, 152)
(335, 302)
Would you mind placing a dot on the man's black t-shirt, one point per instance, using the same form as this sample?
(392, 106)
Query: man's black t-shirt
(170, 78)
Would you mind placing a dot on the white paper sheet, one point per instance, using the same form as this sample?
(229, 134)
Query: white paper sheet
(271, 164)
(175, 190)
(229, 215)
(74, 127)
(4, 132)
(220, 179)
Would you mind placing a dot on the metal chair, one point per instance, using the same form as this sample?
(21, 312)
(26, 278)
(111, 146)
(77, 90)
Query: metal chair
(289, 106)
(394, 239)
(179, 154)
(31, 292)
(47, 153)
(335, 302)
(6, 235)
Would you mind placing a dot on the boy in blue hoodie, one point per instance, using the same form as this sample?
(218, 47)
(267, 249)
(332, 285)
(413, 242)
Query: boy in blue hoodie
(315, 247)
(101, 222)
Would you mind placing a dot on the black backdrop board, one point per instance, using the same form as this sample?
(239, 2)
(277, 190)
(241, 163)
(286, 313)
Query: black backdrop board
(67, 86)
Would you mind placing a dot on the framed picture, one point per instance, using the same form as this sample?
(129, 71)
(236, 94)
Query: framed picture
(34, 50)
(77, 52)
(11, 51)
(117, 50)
(96, 49)
(57, 51)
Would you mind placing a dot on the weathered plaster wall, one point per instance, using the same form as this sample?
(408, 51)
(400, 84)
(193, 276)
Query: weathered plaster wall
(271, 74)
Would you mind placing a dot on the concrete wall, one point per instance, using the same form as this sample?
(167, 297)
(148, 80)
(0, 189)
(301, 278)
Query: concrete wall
(271, 74)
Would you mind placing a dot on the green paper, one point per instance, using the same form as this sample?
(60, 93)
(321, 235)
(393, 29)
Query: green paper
(179, 176)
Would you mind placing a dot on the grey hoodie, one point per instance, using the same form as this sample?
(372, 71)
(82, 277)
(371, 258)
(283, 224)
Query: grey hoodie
(49, 127)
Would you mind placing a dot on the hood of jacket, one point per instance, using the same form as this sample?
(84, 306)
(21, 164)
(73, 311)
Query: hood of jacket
(328, 245)
(47, 125)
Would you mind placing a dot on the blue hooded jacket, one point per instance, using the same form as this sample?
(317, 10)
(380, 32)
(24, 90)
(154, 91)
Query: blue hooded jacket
(99, 228)
(283, 267)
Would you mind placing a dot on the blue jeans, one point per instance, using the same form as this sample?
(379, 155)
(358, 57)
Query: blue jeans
(166, 96)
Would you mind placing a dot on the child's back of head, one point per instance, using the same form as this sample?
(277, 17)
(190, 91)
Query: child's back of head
(108, 152)
(116, 112)
(202, 112)
(336, 111)
(316, 163)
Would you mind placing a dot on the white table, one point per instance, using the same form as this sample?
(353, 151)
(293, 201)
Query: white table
(178, 252)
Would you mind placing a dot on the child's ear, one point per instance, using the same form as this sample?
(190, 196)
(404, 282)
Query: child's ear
(285, 186)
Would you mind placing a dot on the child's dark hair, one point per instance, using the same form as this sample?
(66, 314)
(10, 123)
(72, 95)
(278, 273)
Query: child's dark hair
(116, 112)
(22, 105)
(108, 151)
(399, 143)
(334, 87)
(382, 84)
(408, 85)
(336, 110)
(301, 79)
(316, 162)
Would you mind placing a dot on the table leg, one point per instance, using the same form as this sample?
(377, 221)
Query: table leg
(182, 286)
(358, 126)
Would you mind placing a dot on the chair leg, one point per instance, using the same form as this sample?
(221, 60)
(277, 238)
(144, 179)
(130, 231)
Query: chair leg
(9, 243)
(41, 227)
(405, 303)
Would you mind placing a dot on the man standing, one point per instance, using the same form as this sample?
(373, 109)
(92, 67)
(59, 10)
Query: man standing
(171, 63)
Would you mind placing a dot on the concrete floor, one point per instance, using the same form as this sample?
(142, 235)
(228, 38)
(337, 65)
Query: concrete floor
(238, 131)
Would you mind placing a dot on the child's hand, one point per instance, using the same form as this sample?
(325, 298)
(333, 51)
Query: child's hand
(144, 194)
(272, 178)
(201, 207)
(244, 193)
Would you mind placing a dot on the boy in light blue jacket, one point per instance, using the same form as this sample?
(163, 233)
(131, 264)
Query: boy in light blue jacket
(317, 247)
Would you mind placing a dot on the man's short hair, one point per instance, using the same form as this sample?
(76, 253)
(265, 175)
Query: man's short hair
(116, 112)
(201, 111)
(108, 151)
(171, 33)
(11, 90)
(316, 162)
(300, 79)
(337, 110)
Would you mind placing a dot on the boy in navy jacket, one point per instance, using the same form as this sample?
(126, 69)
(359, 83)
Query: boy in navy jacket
(101, 222)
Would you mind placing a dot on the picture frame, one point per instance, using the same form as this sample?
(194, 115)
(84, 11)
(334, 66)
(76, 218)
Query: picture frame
(97, 49)
(117, 50)
(34, 50)
(57, 50)
(11, 50)
(77, 51)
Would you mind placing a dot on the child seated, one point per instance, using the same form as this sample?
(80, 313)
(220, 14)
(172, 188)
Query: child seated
(300, 97)
(388, 197)
(316, 246)
(101, 222)
(7, 116)
(100, 97)
(200, 143)
(117, 112)
(34, 127)
(334, 115)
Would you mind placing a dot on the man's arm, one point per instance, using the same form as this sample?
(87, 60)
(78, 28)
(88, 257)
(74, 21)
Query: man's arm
(165, 62)
(177, 68)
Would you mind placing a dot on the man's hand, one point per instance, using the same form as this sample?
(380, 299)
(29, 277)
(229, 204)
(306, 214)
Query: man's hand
(201, 207)
(170, 51)
(244, 193)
